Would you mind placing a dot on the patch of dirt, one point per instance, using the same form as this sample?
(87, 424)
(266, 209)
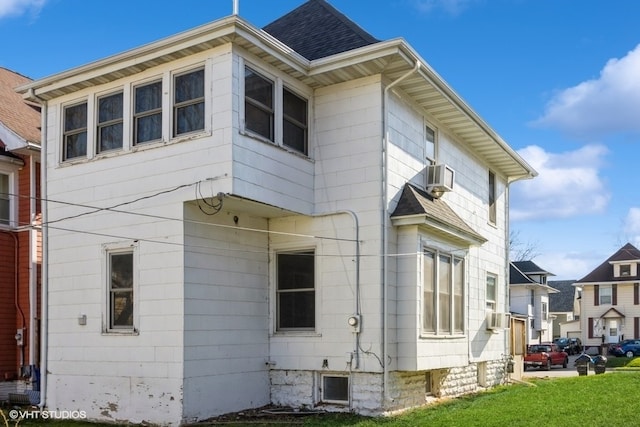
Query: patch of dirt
(266, 415)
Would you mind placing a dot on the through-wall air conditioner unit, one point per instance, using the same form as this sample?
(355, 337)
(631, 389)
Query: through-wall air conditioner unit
(439, 179)
(497, 321)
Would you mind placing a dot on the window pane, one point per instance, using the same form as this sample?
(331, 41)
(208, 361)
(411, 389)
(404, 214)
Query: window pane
(189, 86)
(258, 88)
(148, 97)
(444, 293)
(190, 118)
(430, 143)
(4, 199)
(294, 136)
(429, 286)
(258, 121)
(296, 310)
(110, 137)
(122, 306)
(121, 290)
(492, 198)
(121, 271)
(296, 271)
(294, 107)
(75, 145)
(458, 295)
(148, 128)
(110, 108)
(75, 117)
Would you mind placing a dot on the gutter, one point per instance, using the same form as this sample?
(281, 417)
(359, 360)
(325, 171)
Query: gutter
(385, 231)
(44, 326)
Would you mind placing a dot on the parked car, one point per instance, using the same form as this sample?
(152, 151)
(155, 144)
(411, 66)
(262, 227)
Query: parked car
(563, 344)
(544, 355)
(575, 345)
(628, 348)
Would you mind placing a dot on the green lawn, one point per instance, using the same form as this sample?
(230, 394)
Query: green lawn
(593, 400)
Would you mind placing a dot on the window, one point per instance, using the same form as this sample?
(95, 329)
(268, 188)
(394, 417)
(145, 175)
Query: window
(261, 112)
(295, 290)
(5, 199)
(532, 297)
(492, 198)
(147, 114)
(188, 108)
(120, 290)
(430, 144)
(544, 311)
(605, 294)
(443, 293)
(335, 389)
(75, 131)
(625, 270)
(294, 120)
(258, 104)
(491, 292)
(109, 130)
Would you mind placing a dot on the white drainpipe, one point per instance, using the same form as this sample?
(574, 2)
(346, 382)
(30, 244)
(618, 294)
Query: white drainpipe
(385, 231)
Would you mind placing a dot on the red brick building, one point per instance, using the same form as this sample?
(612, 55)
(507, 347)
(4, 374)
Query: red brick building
(20, 254)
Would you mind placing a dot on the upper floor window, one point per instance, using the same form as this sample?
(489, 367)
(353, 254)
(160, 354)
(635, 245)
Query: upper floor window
(188, 108)
(605, 294)
(75, 131)
(544, 311)
(443, 293)
(491, 293)
(625, 269)
(492, 198)
(110, 122)
(5, 199)
(430, 144)
(147, 113)
(263, 112)
(532, 297)
(295, 291)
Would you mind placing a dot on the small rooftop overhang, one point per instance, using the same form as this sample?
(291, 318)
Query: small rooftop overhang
(612, 313)
(416, 207)
(391, 59)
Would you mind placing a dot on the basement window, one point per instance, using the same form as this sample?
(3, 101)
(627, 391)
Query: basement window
(335, 389)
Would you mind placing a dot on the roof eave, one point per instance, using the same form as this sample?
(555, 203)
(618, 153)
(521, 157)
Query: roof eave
(441, 228)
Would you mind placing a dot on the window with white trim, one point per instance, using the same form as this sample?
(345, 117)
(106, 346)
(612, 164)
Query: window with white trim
(430, 144)
(74, 136)
(491, 288)
(335, 389)
(493, 210)
(188, 102)
(5, 198)
(147, 112)
(121, 289)
(605, 294)
(110, 122)
(443, 293)
(295, 290)
(263, 112)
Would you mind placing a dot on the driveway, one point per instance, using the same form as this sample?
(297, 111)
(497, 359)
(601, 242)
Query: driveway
(556, 371)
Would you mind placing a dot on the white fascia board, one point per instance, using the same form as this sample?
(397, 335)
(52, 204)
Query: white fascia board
(11, 140)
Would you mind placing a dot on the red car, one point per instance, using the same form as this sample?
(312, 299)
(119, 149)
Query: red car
(544, 355)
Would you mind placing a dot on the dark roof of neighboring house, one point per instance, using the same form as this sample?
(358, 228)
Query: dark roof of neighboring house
(530, 267)
(604, 272)
(517, 277)
(316, 30)
(562, 301)
(414, 201)
(15, 114)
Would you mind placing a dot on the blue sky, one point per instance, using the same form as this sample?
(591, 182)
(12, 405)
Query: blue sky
(559, 80)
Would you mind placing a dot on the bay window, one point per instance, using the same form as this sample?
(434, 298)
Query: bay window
(443, 293)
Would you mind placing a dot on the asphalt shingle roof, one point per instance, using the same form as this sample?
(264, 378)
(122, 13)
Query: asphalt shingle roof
(604, 272)
(562, 301)
(15, 114)
(316, 30)
(517, 277)
(529, 267)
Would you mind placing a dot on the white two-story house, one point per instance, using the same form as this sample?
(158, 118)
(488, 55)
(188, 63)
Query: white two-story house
(290, 215)
(529, 298)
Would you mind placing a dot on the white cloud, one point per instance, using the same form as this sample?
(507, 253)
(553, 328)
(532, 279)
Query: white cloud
(632, 226)
(452, 7)
(570, 265)
(608, 104)
(568, 184)
(18, 7)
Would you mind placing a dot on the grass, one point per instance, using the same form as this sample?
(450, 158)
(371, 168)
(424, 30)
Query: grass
(593, 400)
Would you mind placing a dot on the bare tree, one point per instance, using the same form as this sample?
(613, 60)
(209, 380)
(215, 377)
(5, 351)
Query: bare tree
(520, 250)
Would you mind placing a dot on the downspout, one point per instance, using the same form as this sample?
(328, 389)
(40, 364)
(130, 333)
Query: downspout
(44, 303)
(385, 230)
(33, 269)
(507, 303)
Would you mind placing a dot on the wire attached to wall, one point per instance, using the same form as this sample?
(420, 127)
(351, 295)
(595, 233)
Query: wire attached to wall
(208, 206)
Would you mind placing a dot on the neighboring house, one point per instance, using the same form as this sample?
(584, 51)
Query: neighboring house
(19, 237)
(610, 303)
(529, 296)
(301, 215)
(565, 307)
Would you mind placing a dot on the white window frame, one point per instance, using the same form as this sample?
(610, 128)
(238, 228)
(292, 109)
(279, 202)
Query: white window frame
(194, 101)
(437, 329)
(430, 160)
(491, 300)
(605, 294)
(277, 113)
(11, 197)
(99, 125)
(276, 291)
(492, 197)
(108, 250)
(147, 113)
(88, 131)
(323, 378)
